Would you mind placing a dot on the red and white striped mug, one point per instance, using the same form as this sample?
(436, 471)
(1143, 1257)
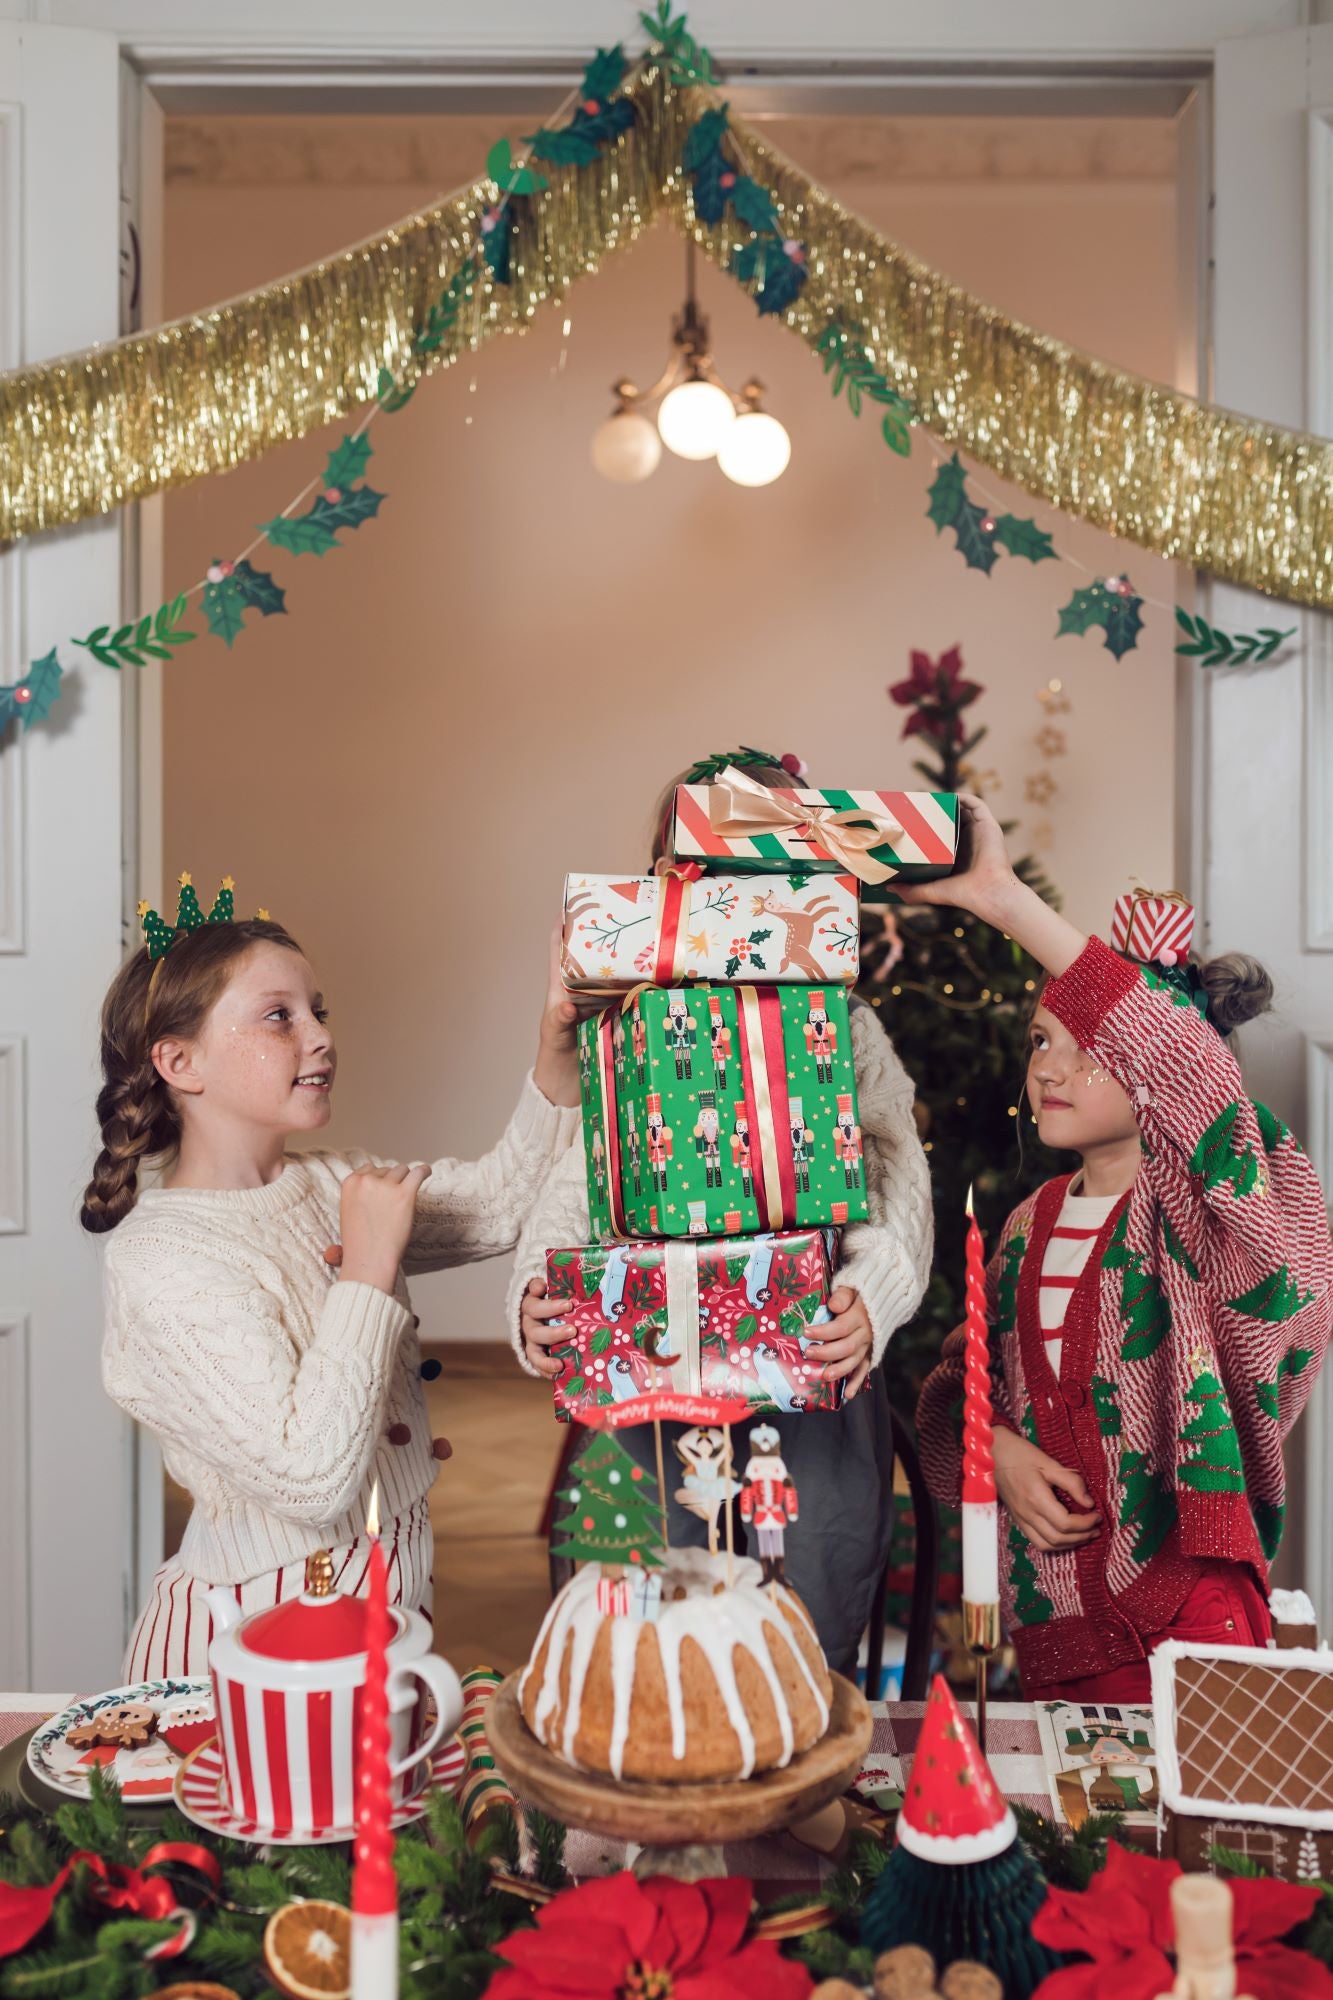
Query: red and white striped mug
(287, 1687)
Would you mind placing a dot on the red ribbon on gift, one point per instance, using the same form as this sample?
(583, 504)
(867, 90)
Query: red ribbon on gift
(24, 1911)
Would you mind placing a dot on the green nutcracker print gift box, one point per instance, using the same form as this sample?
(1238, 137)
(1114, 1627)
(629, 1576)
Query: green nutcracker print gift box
(720, 1111)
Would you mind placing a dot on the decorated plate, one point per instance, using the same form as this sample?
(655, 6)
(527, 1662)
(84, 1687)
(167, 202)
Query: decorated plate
(201, 1794)
(140, 1734)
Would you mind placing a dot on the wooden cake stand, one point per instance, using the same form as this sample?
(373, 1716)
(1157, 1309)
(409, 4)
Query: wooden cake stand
(659, 1815)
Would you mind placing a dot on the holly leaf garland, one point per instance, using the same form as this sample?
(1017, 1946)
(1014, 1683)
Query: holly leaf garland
(237, 589)
(1022, 537)
(1118, 613)
(507, 177)
(596, 120)
(949, 507)
(1214, 648)
(32, 699)
(339, 505)
(774, 265)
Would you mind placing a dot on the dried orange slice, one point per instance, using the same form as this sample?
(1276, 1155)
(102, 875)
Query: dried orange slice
(308, 1950)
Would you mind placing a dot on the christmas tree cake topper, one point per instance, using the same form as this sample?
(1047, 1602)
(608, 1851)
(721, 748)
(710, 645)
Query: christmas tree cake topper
(160, 936)
(613, 1515)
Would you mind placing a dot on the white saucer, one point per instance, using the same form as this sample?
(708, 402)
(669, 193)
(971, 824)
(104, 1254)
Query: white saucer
(201, 1797)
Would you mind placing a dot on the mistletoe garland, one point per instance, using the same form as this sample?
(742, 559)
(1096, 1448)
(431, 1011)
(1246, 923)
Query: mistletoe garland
(32, 699)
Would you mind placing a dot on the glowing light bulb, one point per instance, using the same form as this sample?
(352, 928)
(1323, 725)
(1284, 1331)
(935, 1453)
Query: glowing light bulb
(755, 451)
(626, 448)
(694, 419)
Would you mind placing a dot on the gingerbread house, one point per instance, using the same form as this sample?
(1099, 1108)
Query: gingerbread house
(1245, 1755)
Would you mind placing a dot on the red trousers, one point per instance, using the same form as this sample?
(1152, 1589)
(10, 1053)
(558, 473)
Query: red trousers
(1225, 1608)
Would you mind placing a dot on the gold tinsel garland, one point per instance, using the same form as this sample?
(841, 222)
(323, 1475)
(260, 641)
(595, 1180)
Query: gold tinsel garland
(1240, 498)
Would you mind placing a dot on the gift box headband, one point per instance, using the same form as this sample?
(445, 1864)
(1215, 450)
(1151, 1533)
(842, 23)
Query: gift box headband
(159, 936)
(1174, 968)
(745, 758)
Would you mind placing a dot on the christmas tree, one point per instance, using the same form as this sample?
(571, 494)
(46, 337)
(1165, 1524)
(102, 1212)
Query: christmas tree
(1031, 1603)
(224, 905)
(1215, 1467)
(614, 1512)
(954, 996)
(189, 916)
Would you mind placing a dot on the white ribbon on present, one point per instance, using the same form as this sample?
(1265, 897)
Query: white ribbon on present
(680, 1262)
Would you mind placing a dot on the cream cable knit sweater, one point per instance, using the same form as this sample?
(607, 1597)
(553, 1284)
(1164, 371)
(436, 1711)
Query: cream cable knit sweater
(269, 1384)
(886, 1259)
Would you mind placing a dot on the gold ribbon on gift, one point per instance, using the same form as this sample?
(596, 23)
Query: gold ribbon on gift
(1138, 894)
(739, 808)
(766, 1131)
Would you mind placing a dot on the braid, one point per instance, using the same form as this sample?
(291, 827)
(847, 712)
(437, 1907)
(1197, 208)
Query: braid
(137, 1119)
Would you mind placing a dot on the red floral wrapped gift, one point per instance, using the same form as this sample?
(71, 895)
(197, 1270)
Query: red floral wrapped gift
(731, 1319)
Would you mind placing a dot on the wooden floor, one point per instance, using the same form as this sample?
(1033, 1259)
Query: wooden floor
(490, 1566)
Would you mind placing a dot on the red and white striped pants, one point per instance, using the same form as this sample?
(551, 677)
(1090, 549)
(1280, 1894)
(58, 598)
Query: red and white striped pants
(171, 1639)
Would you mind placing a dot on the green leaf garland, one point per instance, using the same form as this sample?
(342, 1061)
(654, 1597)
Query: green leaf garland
(1022, 537)
(154, 636)
(1119, 614)
(685, 61)
(856, 375)
(1214, 648)
(341, 504)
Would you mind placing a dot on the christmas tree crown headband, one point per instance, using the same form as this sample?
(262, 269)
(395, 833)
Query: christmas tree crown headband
(707, 768)
(159, 936)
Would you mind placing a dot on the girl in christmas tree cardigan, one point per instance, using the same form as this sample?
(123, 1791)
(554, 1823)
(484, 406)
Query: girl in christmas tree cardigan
(842, 1464)
(256, 1316)
(1158, 1319)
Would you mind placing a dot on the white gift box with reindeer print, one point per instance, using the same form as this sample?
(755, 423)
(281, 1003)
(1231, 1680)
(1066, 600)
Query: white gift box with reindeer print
(663, 930)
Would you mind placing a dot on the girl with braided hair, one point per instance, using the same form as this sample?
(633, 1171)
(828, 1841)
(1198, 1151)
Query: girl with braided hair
(843, 1462)
(257, 1322)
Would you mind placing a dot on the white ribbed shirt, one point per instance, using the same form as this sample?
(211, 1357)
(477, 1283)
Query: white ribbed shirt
(271, 1384)
(1081, 1220)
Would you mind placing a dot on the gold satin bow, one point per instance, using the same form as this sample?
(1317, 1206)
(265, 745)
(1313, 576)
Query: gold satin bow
(739, 809)
(1139, 894)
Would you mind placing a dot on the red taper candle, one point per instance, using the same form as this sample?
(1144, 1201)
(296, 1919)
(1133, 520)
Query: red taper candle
(981, 1577)
(374, 1885)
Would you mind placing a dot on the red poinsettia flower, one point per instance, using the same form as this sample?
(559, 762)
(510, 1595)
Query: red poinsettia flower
(1122, 1921)
(936, 681)
(622, 1939)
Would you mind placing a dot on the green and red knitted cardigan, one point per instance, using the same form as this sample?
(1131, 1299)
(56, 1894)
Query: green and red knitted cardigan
(1191, 1341)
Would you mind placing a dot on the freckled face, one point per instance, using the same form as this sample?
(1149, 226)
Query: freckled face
(265, 1055)
(1077, 1104)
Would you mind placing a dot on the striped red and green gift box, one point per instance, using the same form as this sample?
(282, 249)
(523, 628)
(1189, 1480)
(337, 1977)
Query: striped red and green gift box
(924, 847)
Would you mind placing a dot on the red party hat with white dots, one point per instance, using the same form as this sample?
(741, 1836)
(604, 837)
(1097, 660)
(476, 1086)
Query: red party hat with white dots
(953, 1810)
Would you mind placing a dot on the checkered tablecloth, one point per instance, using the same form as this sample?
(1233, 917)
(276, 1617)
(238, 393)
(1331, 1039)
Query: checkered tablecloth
(782, 1865)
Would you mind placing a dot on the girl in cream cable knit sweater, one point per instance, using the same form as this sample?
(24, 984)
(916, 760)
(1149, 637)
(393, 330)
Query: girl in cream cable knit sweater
(257, 1320)
(841, 1463)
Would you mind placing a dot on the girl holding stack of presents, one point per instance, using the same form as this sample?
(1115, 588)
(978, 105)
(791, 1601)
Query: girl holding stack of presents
(714, 1184)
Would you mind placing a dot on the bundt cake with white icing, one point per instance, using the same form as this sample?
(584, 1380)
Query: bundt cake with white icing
(725, 1680)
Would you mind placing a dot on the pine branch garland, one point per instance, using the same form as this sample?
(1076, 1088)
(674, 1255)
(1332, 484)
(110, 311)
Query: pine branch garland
(1212, 647)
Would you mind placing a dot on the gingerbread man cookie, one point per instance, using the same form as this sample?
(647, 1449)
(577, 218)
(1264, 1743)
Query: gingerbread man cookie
(128, 1726)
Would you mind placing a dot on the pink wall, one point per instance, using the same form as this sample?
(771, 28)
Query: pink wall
(517, 645)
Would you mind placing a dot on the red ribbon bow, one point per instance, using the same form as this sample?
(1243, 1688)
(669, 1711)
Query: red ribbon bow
(24, 1911)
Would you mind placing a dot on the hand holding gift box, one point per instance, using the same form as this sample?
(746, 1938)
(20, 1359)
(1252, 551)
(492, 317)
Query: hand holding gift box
(747, 1124)
(664, 929)
(877, 836)
(715, 1319)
